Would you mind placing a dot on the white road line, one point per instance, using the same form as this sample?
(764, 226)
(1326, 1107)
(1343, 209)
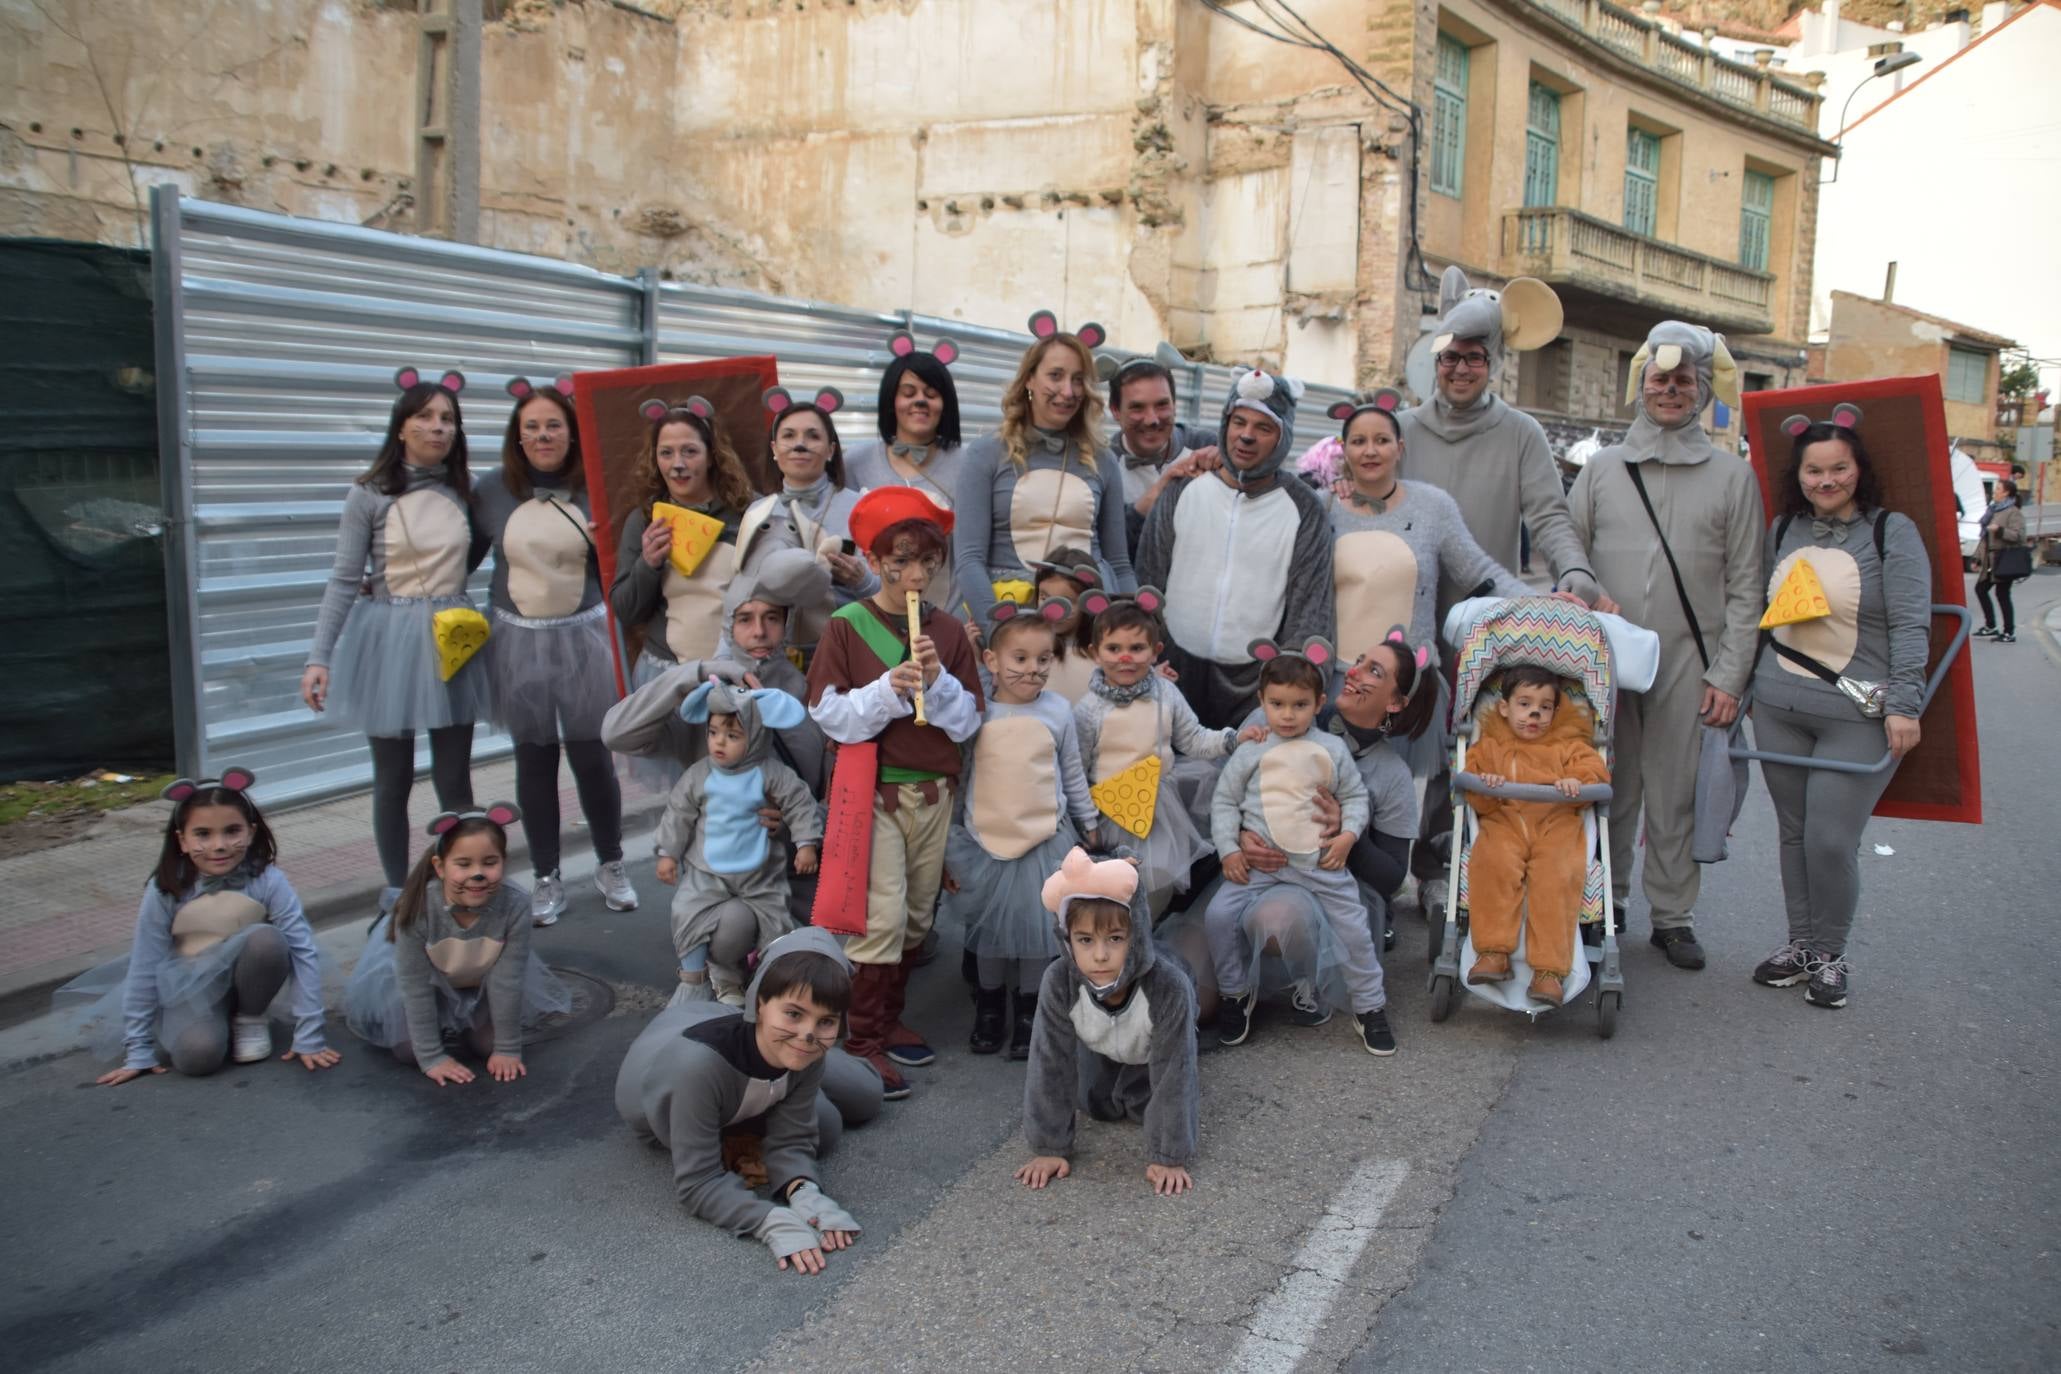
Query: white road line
(1294, 1312)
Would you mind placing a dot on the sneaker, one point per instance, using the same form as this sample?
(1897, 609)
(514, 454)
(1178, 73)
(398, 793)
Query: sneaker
(1023, 1025)
(1785, 968)
(2007, 638)
(913, 1056)
(1986, 632)
(250, 1038)
(1678, 943)
(613, 878)
(728, 990)
(1234, 1020)
(547, 901)
(1375, 1034)
(1828, 982)
(1305, 1009)
(893, 1087)
(990, 1010)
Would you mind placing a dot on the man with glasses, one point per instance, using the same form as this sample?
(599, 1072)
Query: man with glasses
(1153, 448)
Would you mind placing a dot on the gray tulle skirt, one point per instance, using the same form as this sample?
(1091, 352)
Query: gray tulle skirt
(552, 680)
(187, 990)
(374, 1011)
(383, 677)
(1002, 900)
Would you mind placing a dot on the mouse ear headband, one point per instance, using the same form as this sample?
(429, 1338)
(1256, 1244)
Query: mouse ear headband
(503, 814)
(233, 779)
(1051, 610)
(698, 407)
(1045, 325)
(828, 400)
(1420, 656)
(1387, 400)
(1083, 573)
(902, 344)
(452, 381)
(522, 388)
(1846, 415)
(1316, 649)
(1148, 599)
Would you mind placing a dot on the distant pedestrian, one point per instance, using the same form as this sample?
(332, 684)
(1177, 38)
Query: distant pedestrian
(2002, 560)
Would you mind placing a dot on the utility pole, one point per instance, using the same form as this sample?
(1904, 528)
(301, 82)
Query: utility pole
(447, 120)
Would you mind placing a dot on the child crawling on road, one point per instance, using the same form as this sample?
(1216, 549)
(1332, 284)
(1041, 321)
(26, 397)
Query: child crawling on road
(1134, 1017)
(1534, 736)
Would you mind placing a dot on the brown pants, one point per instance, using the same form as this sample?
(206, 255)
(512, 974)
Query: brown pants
(1533, 845)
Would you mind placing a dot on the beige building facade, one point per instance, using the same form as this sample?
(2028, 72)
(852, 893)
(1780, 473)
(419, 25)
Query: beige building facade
(1151, 164)
(1877, 338)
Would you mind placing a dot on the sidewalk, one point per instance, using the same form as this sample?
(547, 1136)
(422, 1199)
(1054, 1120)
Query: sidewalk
(69, 907)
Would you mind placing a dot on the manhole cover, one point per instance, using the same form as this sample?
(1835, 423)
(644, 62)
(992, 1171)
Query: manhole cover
(592, 999)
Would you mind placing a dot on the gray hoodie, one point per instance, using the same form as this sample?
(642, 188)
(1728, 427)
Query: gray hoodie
(1131, 1059)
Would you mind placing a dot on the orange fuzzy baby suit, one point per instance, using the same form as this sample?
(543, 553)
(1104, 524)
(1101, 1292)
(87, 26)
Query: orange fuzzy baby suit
(1535, 843)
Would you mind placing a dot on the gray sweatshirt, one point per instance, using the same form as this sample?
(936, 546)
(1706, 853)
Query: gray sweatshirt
(493, 950)
(1129, 1056)
(638, 595)
(545, 566)
(1003, 519)
(1381, 584)
(866, 467)
(1880, 626)
(1270, 788)
(421, 543)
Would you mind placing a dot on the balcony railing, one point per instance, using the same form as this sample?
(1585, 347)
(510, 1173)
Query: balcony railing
(1749, 86)
(1568, 248)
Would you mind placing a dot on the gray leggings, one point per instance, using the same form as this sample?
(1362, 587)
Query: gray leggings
(849, 1096)
(1819, 816)
(994, 973)
(199, 1044)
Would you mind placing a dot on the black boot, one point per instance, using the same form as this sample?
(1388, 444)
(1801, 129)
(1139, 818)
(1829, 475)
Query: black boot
(990, 1009)
(1020, 1033)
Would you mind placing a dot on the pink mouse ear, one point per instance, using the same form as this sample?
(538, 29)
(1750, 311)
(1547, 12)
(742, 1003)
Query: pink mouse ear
(1044, 324)
(1795, 425)
(563, 383)
(442, 822)
(1095, 602)
(699, 405)
(1317, 650)
(406, 377)
(452, 381)
(1003, 610)
(777, 399)
(1262, 650)
(901, 343)
(179, 791)
(1846, 415)
(1388, 399)
(1149, 599)
(1086, 575)
(1055, 609)
(238, 779)
(653, 411)
(504, 813)
(1394, 636)
(1423, 656)
(829, 400)
(1341, 410)
(1092, 334)
(945, 351)
(520, 388)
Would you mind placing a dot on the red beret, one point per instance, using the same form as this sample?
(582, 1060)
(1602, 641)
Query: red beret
(884, 507)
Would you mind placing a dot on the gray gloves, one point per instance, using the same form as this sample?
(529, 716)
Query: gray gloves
(785, 1233)
(810, 1203)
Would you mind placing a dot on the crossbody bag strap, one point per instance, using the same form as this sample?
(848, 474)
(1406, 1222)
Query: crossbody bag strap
(1681, 590)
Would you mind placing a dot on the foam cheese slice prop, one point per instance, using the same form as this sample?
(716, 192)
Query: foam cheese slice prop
(460, 633)
(1130, 797)
(694, 534)
(1801, 597)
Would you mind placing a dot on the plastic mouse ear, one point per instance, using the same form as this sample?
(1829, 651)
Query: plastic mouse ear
(1263, 650)
(1095, 602)
(1003, 610)
(1846, 415)
(1086, 575)
(829, 400)
(1054, 609)
(695, 708)
(1150, 599)
(1044, 324)
(901, 343)
(777, 399)
(1394, 636)
(1092, 334)
(1795, 425)
(452, 381)
(1423, 656)
(503, 813)
(778, 710)
(520, 388)
(563, 383)
(179, 791)
(1340, 410)
(699, 405)
(1317, 650)
(945, 351)
(442, 822)
(653, 410)
(238, 779)
(1388, 399)
(406, 377)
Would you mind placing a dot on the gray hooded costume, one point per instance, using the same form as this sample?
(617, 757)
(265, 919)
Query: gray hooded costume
(1131, 1060)
(1492, 459)
(696, 1070)
(1241, 557)
(1708, 504)
(711, 822)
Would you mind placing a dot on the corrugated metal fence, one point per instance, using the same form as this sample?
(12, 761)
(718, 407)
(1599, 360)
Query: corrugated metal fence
(277, 344)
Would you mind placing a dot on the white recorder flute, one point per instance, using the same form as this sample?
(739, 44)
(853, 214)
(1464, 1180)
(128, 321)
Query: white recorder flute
(915, 629)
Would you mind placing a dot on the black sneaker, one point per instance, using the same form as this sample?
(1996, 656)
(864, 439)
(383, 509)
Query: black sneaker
(1234, 1020)
(1785, 968)
(1678, 943)
(2007, 638)
(1986, 632)
(1828, 983)
(1375, 1034)
(1305, 1008)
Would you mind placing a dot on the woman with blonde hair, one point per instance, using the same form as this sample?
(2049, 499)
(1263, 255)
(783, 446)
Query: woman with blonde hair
(1044, 482)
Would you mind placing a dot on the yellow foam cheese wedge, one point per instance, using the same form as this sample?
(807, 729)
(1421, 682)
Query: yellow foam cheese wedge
(1801, 597)
(694, 534)
(1016, 589)
(1130, 797)
(460, 633)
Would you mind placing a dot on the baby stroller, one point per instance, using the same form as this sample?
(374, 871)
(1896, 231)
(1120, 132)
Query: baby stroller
(1571, 643)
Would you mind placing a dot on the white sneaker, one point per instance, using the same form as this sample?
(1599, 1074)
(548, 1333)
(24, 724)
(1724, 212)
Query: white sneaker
(729, 991)
(614, 881)
(547, 901)
(250, 1039)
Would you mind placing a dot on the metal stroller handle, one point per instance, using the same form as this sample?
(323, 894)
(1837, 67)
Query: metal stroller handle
(1888, 760)
(1532, 791)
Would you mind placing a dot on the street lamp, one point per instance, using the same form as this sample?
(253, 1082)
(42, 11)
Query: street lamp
(1894, 62)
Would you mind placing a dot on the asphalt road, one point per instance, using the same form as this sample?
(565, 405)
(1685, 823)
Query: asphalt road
(1736, 1182)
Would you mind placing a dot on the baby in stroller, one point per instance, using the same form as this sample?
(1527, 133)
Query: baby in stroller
(1530, 847)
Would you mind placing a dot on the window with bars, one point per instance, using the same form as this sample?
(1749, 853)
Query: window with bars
(1449, 116)
(1642, 182)
(1967, 376)
(1756, 215)
(1542, 146)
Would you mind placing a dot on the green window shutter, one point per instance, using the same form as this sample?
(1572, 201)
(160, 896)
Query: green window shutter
(1449, 116)
(1756, 213)
(1967, 375)
(1641, 182)
(1542, 146)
